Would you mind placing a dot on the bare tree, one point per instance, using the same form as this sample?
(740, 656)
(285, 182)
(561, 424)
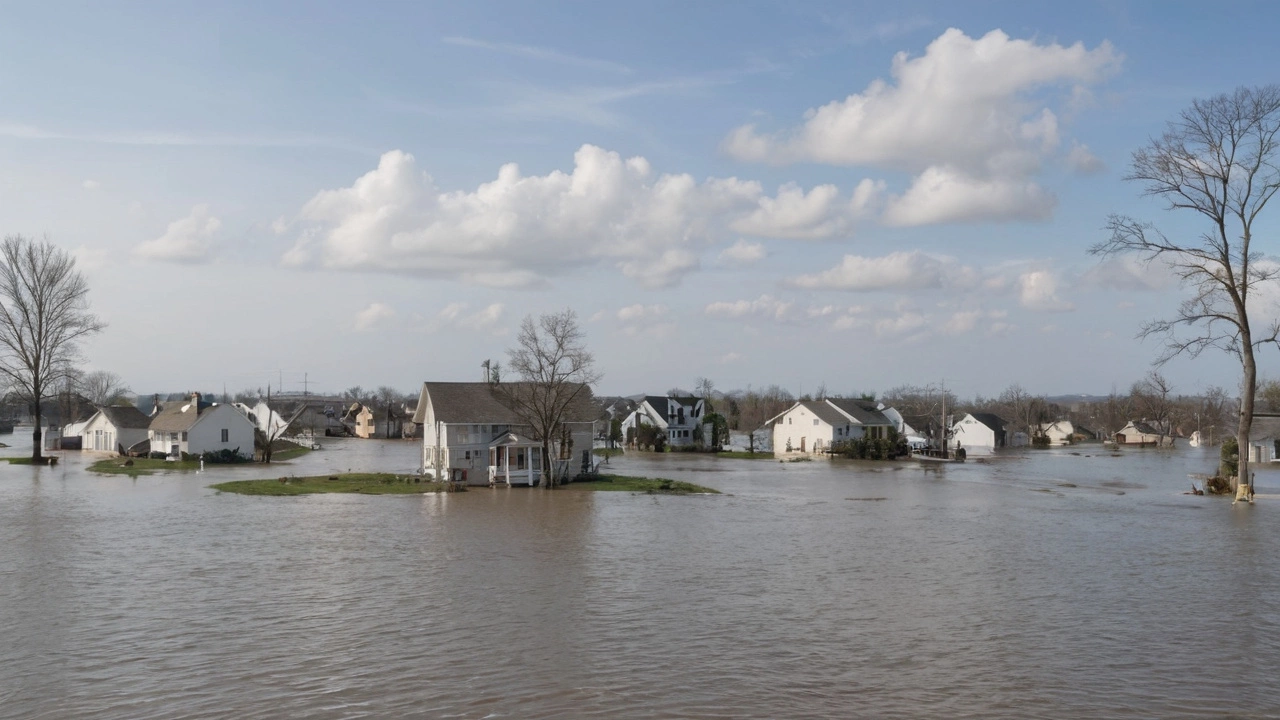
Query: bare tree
(44, 314)
(102, 388)
(704, 388)
(551, 358)
(1219, 159)
(1152, 395)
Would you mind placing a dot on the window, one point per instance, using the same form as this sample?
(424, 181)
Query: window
(173, 437)
(815, 422)
(226, 435)
(184, 436)
(788, 421)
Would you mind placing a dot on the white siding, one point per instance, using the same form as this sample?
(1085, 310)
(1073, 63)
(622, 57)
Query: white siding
(206, 435)
(975, 438)
(805, 431)
(102, 436)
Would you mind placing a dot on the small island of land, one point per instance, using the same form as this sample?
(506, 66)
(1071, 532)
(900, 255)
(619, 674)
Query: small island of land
(133, 467)
(390, 484)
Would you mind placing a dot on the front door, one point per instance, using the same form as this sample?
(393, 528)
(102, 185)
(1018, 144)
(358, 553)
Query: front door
(801, 444)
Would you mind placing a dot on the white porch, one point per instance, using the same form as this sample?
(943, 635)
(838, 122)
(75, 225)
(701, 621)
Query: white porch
(514, 461)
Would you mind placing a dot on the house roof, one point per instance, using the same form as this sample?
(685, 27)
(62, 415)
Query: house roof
(864, 411)
(179, 416)
(1143, 427)
(991, 420)
(126, 416)
(486, 403)
(823, 411)
(659, 405)
(1264, 427)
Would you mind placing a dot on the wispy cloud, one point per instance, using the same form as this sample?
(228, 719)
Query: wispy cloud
(22, 131)
(537, 53)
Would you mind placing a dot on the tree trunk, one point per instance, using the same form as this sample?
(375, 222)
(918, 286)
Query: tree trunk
(1244, 484)
(37, 436)
(547, 480)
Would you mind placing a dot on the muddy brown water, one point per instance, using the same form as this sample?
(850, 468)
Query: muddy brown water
(1042, 585)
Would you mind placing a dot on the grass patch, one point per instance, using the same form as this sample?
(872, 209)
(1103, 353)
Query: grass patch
(607, 452)
(282, 450)
(364, 483)
(653, 486)
(739, 455)
(141, 466)
(46, 460)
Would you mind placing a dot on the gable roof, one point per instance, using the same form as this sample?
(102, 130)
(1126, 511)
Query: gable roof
(823, 412)
(659, 405)
(865, 412)
(1142, 427)
(126, 416)
(991, 420)
(484, 404)
(179, 416)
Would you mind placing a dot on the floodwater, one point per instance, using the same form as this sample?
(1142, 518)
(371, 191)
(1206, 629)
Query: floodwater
(1050, 584)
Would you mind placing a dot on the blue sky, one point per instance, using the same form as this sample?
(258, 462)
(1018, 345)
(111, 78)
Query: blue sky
(861, 195)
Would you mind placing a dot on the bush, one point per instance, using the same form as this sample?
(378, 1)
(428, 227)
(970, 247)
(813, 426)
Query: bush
(223, 457)
(157, 455)
(1230, 455)
(1040, 441)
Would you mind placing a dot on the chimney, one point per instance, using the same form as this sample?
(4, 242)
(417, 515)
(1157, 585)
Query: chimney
(195, 402)
(155, 404)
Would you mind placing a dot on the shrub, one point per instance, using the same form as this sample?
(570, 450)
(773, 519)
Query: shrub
(224, 457)
(1230, 455)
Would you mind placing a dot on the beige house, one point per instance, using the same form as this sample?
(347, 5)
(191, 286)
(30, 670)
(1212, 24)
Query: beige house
(1059, 433)
(1139, 434)
(114, 429)
(812, 426)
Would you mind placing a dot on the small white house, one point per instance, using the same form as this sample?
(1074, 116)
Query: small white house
(114, 428)
(812, 426)
(676, 416)
(472, 433)
(1059, 433)
(1264, 438)
(978, 434)
(195, 427)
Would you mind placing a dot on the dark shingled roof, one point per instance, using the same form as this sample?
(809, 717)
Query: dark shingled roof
(824, 412)
(991, 420)
(864, 411)
(1144, 428)
(486, 403)
(1265, 427)
(126, 416)
(659, 405)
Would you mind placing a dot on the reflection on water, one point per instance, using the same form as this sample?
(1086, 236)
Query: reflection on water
(1051, 584)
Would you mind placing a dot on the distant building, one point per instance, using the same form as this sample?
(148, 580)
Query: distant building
(978, 434)
(813, 426)
(1139, 434)
(1059, 433)
(1264, 438)
(676, 416)
(114, 428)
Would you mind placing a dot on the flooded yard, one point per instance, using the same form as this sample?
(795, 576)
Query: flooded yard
(1065, 583)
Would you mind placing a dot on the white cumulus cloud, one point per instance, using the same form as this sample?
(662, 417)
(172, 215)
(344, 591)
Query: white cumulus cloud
(1038, 290)
(187, 240)
(912, 270)
(521, 231)
(742, 253)
(369, 317)
(969, 116)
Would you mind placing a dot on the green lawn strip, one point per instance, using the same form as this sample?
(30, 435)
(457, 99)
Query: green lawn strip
(738, 455)
(284, 450)
(141, 466)
(627, 483)
(28, 461)
(364, 483)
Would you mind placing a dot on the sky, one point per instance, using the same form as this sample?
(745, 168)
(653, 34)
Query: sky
(854, 195)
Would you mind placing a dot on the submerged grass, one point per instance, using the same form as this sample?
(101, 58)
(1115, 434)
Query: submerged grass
(739, 455)
(133, 467)
(628, 483)
(363, 483)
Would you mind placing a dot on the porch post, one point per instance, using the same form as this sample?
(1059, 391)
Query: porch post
(506, 464)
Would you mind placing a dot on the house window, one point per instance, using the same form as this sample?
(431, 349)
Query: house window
(226, 435)
(815, 422)
(466, 455)
(184, 436)
(173, 437)
(788, 421)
